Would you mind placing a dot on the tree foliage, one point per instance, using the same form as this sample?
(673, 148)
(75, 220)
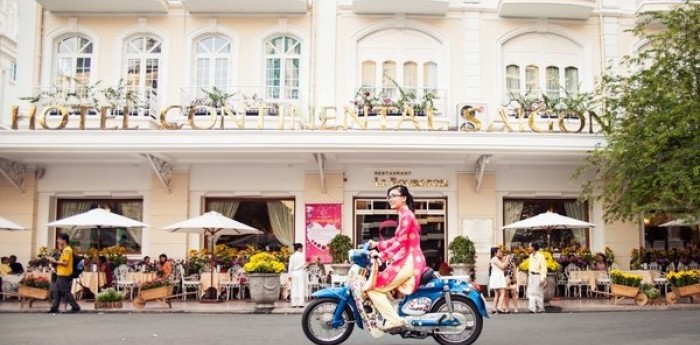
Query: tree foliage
(651, 163)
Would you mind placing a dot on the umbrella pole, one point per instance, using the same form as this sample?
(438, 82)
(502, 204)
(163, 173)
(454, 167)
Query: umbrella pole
(212, 293)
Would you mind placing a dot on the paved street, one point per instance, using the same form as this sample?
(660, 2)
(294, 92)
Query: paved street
(619, 328)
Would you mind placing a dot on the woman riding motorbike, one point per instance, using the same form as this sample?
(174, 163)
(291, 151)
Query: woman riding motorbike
(404, 258)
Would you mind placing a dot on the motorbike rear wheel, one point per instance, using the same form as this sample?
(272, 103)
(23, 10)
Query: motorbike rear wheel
(316, 322)
(467, 308)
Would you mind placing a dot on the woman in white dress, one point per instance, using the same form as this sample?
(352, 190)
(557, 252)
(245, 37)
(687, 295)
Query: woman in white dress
(497, 281)
(297, 272)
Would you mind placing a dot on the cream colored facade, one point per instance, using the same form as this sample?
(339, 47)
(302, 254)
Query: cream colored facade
(460, 49)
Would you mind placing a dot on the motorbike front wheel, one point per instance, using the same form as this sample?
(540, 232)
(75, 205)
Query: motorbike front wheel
(317, 322)
(475, 322)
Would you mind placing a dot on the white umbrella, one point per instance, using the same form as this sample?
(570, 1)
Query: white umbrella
(549, 221)
(11, 226)
(679, 222)
(212, 223)
(97, 218)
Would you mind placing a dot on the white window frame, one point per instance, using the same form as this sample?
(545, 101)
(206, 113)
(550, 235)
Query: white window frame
(69, 80)
(213, 57)
(143, 57)
(284, 58)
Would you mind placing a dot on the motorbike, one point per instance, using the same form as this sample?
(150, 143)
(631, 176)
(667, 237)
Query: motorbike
(450, 310)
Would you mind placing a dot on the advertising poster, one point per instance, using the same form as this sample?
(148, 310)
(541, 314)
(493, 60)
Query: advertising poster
(323, 222)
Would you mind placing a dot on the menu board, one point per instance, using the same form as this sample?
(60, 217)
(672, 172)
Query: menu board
(480, 231)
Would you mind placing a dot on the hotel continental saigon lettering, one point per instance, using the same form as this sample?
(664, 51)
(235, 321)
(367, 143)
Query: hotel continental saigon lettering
(391, 178)
(177, 117)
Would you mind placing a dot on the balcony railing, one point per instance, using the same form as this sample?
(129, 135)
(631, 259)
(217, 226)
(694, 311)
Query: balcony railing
(206, 7)
(421, 7)
(140, 101)
(398, 98)
(248, 99)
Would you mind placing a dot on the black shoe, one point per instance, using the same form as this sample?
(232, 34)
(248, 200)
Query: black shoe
(52, 311)
(73, 311)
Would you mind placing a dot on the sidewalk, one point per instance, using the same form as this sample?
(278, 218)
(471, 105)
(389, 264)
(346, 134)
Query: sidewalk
(281, 307)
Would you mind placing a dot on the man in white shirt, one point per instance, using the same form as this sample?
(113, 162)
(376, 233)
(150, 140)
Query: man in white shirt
(536, 279)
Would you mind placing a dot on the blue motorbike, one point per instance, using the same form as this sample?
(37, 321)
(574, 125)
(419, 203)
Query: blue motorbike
(452, 311)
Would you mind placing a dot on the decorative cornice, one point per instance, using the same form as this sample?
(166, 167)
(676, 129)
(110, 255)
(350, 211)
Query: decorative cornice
(14, 172)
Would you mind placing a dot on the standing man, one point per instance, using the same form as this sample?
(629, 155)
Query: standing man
(536, 279)
(297, 272)
(64, 273)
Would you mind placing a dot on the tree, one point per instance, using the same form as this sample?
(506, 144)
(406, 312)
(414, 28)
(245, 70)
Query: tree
(651, 163)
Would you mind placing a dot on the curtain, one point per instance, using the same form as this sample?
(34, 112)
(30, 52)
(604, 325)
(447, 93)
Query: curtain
(227, 207)
(71, 208)
(513, 212)
(577, 210)
(133, 210)
(282, 221)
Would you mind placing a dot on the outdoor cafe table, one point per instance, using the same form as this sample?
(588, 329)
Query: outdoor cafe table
(206, 281)
(589, 277)
(141, 277)
(89, 280)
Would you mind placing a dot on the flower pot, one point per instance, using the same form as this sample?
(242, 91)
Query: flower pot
(688, 290)
(462, 269)
(264, 290)
(550, 288)
(109, 305)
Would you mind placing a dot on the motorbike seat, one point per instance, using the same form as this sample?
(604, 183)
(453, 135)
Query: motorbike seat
(427, 276)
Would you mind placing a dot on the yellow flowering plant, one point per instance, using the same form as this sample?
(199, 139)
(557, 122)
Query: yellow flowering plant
(629, 279)
(115, 254)
(552, 265)
(683, 278)
(264, 263)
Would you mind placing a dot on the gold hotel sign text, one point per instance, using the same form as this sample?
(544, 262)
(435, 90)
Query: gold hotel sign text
(392, 178)
(328, 119)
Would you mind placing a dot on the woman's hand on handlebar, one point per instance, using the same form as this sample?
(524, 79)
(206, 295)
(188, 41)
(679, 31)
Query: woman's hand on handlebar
(372, 244)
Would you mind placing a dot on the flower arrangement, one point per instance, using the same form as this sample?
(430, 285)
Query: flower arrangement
(196, 260)
(264, 263)
(109, 295)
(155, 283)
(629, 279)
(36, 282)
(115, 254)
(683, 278)
(552, 265)
(651, 292)
(609, 256)
(339, 247)
(463, 250)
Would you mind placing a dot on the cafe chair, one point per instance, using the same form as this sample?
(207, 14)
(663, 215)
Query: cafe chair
(659, 280)
(573, 282)
(191, 282)
(121, 281)
(603, 279)
(228, 284)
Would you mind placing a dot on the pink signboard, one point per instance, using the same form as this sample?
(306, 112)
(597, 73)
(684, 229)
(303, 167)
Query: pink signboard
(323, 222)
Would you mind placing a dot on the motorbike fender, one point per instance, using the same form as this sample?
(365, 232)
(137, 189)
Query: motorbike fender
(478, 300)
(342, 294)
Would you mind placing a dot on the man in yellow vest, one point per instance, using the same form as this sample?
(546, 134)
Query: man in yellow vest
(64, 273)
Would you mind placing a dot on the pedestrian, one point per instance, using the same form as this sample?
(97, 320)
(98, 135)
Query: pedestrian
(404, 258)
(297, 273)
(512, 284)
(64, 276)
(497, 280)
(536, 279)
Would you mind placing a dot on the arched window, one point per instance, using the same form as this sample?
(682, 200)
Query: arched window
(532, 79)
(212, 62)
(73, 62)
(410, 75)
(571, 80)
(553, 84)
(282, 64)
(143, 56)
(430, 76)
(369, 74)
(389, 71)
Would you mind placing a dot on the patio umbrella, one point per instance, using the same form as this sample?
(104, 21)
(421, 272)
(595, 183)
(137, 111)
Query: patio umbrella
(10, 226)
(548, 221)
(212, 223)
(679, 222)
(97, 218)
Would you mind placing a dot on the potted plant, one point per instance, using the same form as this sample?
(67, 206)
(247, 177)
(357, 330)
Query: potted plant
(683, 284)
(338, 248)
(264, 278)
(109, 299)
(624, 284)
(462, 256)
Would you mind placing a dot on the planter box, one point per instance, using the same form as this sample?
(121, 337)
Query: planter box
(624, 290)
(688, 290)
(32, 292)
(159, 292)
(109, 305)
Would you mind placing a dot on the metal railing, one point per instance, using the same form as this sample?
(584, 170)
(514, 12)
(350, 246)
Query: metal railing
(237, 98)
(140, 101)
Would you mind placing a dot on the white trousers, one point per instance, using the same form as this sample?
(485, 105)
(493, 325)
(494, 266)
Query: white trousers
(535, 296)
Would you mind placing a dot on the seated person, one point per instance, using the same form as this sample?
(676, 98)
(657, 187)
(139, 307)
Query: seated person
(318, 267)
(599, 264)
(146, 264)
(166, 268)
(5, 268)
(15, 266)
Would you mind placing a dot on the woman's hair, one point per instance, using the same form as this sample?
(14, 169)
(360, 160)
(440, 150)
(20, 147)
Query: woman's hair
(403, 190)
(494, 250)
(298, 246)
(163, 256)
